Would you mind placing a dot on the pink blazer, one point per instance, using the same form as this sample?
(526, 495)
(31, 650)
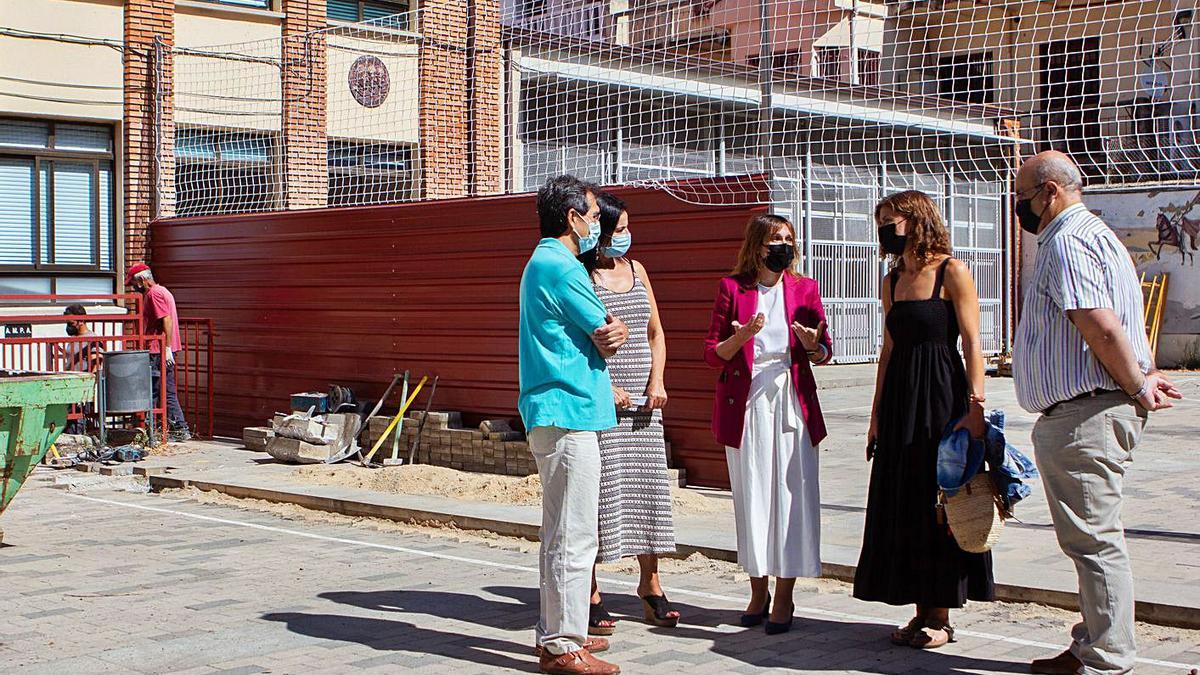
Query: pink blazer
(737, 299)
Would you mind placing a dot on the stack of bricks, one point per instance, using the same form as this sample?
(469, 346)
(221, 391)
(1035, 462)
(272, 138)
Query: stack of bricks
(492, 448)
(149, 36)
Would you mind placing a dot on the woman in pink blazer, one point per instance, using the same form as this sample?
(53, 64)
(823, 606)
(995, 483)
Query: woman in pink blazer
(768, 329)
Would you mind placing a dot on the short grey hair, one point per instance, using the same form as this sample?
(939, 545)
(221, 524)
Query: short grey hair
(144, 274)
(1058, 168)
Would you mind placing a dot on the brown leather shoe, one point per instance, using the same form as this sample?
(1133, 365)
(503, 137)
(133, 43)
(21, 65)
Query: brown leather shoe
(579, 662)
(594, 645)
(1065, 663)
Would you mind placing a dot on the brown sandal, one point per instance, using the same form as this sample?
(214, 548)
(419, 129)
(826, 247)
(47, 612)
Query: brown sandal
(929, 638)
(903, 636)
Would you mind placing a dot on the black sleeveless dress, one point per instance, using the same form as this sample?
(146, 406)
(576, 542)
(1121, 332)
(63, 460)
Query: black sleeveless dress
(908, 557)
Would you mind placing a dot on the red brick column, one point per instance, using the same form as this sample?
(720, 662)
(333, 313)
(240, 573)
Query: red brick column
(149, 100)
(489, 97)
(304, 139)
(446, 97)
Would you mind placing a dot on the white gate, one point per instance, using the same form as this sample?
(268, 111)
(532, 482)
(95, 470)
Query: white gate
(834, 208)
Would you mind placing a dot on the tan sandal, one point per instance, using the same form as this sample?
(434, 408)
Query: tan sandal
(933, 635)
(903, 636)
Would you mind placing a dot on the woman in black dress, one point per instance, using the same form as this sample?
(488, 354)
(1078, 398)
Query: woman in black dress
(929, 300)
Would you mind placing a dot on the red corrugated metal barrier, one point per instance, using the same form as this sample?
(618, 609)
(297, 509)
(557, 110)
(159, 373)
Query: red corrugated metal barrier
(303, 299)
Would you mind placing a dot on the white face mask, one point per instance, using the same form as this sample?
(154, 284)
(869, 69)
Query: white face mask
(587, 243)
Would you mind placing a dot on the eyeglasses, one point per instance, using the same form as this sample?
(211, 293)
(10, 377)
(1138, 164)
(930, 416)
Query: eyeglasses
(1036, 189)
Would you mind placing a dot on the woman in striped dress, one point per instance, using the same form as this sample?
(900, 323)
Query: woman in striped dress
(635, 491)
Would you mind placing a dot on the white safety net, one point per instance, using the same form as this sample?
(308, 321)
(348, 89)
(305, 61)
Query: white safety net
(934, 94)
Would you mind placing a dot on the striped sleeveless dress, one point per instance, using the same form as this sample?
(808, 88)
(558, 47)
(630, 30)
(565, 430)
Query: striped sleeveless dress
(635, 492)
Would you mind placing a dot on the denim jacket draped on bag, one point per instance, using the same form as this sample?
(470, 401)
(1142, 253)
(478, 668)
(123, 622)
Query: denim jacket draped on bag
(961, 457)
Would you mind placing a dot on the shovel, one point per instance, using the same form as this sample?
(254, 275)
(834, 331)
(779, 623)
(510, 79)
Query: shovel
(366, 461)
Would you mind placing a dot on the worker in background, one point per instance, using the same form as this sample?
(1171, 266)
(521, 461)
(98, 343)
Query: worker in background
(81, 356)
(159, 317)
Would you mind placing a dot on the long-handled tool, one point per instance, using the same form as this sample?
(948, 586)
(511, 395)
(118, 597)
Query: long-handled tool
(366, 461)
(394, 459)
(386, 392)
(352, 448)
(412, 453)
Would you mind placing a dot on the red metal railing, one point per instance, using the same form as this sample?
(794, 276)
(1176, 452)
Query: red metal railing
(115, 331)
(194, 374)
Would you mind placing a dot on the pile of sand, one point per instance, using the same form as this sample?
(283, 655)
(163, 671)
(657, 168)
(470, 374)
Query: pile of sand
(423, 479)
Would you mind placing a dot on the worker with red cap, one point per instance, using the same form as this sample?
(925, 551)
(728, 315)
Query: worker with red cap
(159, 317)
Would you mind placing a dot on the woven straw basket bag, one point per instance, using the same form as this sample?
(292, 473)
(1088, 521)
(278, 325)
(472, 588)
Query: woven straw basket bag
(973, 514)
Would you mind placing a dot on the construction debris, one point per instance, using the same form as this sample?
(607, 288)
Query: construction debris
(256, 438)
(309, 439)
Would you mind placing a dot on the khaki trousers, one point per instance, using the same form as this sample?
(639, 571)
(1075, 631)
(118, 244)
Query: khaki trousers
(1082, 448)
(569, 465)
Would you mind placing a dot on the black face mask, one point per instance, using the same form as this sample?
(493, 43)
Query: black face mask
(890, 241)
(72, 330)
(1030, 221)
(779, 257)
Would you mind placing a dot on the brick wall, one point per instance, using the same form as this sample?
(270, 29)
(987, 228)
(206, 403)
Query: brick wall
(445, 97)
(146, 20)
(489, 97)
(304, 103)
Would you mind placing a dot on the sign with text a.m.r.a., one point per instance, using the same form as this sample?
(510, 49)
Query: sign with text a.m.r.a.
(18, 330)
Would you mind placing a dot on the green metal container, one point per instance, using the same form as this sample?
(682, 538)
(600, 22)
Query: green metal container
(33, 412)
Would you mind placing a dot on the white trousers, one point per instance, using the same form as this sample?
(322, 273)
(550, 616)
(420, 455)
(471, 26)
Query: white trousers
(776, 497)
(569, 465)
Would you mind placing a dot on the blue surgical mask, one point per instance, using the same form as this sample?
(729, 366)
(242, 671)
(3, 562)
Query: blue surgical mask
(593, 237)
(619, 246)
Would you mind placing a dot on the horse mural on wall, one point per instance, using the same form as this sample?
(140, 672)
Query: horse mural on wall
(1171, 232)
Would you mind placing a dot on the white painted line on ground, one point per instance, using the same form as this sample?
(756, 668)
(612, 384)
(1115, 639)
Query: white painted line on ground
(838, 410)
(812, 612)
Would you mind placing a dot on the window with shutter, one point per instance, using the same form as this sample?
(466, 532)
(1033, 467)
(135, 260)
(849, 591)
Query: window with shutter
(17, 210)
(74, 193)
(56, 197)
(368, 10)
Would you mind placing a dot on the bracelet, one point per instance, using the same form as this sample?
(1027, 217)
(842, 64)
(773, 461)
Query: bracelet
(1142, 391)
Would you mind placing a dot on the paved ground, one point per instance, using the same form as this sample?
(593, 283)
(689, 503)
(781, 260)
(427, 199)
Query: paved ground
(105, 581)
(1159, 512)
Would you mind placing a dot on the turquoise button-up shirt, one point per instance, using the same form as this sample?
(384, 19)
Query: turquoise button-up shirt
(564, 379)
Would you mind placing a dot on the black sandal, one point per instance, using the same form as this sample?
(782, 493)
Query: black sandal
(903, 636)
(597, 615)
(657, 608)
(923, 639)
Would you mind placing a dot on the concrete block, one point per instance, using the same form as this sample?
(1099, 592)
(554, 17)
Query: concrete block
(298, 452)
(255, 438)
(150, 470)
(87, 467)
(116, 470)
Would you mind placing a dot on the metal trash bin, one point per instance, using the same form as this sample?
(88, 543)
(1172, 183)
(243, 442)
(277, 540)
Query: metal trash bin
(126, 379)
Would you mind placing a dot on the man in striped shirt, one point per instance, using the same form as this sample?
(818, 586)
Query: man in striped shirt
(1082, 360)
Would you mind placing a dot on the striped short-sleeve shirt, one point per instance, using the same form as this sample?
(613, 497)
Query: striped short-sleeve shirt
(1080, 265)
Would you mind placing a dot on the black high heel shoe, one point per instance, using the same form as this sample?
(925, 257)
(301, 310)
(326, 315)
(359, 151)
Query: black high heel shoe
(751, 620)
(773, 628)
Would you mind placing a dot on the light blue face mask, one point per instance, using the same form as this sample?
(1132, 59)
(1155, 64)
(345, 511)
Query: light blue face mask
(593, 237)
(619, 247)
